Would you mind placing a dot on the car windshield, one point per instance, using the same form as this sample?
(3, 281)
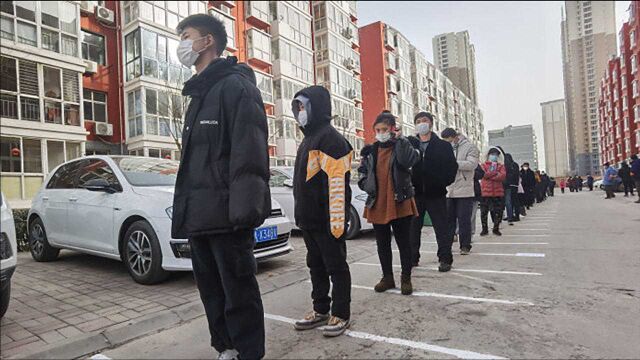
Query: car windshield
(144, 171)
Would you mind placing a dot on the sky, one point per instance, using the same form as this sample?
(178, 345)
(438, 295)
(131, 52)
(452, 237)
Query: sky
(518, 50)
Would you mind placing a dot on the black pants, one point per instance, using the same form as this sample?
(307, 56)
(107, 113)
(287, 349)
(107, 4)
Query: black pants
(401, 232)
(495, 205)
(225, 271)
(638, 188)
(628, 187)
(327, 259)
(529, 196)
(562, 190)
(437, 209)
(459, 211)
(609, 190)
(590, 187)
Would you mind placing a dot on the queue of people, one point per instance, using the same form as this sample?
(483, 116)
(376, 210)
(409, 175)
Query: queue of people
(405, 178)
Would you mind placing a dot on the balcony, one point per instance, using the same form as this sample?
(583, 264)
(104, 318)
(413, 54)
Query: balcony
(258, 14)
(265, 84)
(390, 63)
(388, 39)
(259, 47)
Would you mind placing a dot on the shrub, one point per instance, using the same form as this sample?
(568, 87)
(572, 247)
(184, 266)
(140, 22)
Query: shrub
(20, 219)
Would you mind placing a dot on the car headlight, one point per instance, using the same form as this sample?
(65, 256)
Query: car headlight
(362, 197)
(169, 212)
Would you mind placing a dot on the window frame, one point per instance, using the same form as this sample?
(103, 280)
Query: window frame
(104, 47)
(93, 102)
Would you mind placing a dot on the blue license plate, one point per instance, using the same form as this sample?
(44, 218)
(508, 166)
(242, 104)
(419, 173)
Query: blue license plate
(266, 233)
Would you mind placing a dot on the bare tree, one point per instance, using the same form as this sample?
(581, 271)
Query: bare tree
(175, 121)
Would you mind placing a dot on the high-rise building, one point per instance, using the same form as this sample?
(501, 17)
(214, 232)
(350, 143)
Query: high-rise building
(519, 141)
(619, 106)
(401, 80)
(455, 56)
(556, 147)
(588, 42)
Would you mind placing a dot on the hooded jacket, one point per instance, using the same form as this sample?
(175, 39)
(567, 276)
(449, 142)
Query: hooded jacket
(467, 156)
(635, 169)
(322, 170)
(491, 183)
(436, 168)
(223, 180)
(625, 173)
(513, 170)
(528, 179)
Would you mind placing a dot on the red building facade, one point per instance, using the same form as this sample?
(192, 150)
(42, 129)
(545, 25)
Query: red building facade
(619, 107)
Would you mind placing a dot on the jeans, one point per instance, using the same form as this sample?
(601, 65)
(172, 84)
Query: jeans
(225, 271)
(327, 258)
(495, 205)
(459, 212)
(437, 209)
(402, 232)
(474, 211)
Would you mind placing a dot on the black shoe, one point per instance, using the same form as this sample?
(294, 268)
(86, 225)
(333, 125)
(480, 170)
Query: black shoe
(511, 222)
(496, 231)
(444, 267)
(516, 219)
(484, 232)
(465, 251)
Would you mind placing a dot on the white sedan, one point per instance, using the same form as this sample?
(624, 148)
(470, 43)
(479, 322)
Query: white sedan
(281, 185)
(120, 207)
(8, 253)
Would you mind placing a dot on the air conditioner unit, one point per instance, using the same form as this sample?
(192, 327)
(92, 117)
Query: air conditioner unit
(104, 14)
(87, 7)
(350, 64)
(104, 129)
(90, 67)
(347, 33)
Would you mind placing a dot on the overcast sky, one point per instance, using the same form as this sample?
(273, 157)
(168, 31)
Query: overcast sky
(518, 53)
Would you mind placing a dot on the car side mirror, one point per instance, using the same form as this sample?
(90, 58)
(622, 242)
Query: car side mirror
(288, 183)
(99, 185)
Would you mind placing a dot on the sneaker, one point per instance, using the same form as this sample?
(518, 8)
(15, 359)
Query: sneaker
(311, 321)
(511, 223)
(406, 288)
(496, 231)
(444, 267)
(484, 232)
(465, 251)
(231, 354)
(335, 327)
(455, 238)
(386, 283)
(637, 201)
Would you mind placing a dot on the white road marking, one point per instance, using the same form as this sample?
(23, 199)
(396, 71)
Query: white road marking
(520, 229)
(461, 354)
(99, 357)
(447, 296)
(465, 270)
(494, 254)
(475, 278)
(529, 235)
(497, 243)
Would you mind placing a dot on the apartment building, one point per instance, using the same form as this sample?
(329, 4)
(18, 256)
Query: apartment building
(619, 102)
(588, 42)
(556, 147)
(519, 141)
(455, 56)
(40, 93)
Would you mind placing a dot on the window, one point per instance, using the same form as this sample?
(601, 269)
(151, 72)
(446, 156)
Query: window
(634, 64)
(93, 47)
(93, 169)
(634, 88)
(632, 38)
(229, 25)
(259, 45)
(132, 54)
(95, 106)
(65, 177)
(265, 84)
(134, 113)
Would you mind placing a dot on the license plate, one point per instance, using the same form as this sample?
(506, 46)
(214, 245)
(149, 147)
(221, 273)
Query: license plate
(266, 233)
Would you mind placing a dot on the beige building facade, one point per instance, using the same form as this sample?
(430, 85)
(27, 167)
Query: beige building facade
(556, 146)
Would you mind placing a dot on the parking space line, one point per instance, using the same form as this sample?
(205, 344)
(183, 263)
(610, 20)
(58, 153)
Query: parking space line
(497, 243)
(520, 229)
(461, 354)
(447, 296)
(475, 278)
(527, 235)
(493, 254)
(464, 270)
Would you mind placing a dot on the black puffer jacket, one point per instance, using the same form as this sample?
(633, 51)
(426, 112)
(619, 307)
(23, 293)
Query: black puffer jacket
(436, 169)
(223, 179)
(478, 175)
(403, 158)
(312, 196)
(513, 172)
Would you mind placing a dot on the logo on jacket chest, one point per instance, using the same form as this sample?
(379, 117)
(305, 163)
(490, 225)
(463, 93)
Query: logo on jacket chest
(208, 122)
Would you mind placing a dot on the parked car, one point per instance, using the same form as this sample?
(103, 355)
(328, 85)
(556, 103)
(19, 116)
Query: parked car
(281, 184)
(120, 207)
(8, 253)
(618, 188)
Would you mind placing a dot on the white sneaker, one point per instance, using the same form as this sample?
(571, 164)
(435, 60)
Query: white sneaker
(228, 355)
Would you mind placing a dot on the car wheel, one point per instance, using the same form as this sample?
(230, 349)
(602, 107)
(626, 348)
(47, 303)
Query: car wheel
(40, 249)
(353, 223)
(4, 299)
(142, 254)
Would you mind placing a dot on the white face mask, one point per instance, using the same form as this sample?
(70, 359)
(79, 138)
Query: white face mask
(186, 54)
(302, 118)
(383, 137)
(423, 128)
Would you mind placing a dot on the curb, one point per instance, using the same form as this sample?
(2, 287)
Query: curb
(121, 333)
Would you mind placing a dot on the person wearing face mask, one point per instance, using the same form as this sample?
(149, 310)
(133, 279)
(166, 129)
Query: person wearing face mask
(435, 170)
(492, 191)
(460, 194)
(528, 184)
(222, 186)
(385, 175)
(609, 180)
(322, 198)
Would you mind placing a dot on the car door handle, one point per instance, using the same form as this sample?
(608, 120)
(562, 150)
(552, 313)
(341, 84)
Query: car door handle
(73, 199)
